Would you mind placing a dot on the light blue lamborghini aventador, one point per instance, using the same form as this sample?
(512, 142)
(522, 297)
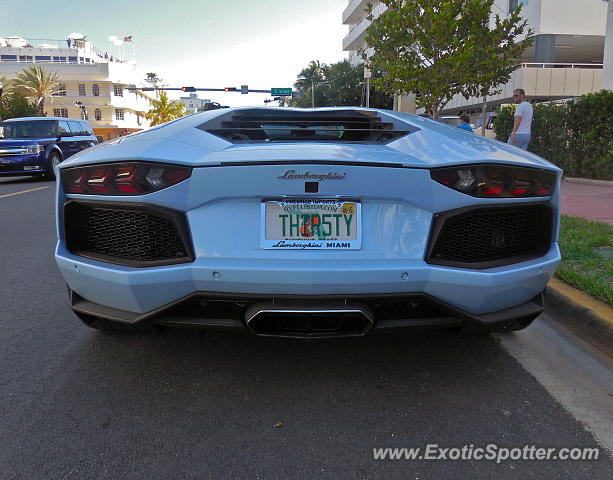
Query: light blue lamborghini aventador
(307, 223)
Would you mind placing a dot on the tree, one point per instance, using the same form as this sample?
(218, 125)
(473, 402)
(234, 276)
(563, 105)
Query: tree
(439, 48)
(338, 84)
(307, 79)
(36, 82)
(4, 83)
(163, 110)
(14, 105)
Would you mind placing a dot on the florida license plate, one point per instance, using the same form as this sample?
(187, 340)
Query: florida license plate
(311, 225)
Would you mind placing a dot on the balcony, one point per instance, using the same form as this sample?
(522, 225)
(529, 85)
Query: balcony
(542, 81)
(355, 11)
(355, 38)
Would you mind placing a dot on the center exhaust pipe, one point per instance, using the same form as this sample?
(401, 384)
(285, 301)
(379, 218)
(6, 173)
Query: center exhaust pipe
(308, 321)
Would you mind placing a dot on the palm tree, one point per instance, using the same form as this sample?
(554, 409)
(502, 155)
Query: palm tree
(36, 82)
(4, 82)
(308, 77)
(163, 110)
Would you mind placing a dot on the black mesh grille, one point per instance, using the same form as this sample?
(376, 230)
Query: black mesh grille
(132, 235)
(484, 237)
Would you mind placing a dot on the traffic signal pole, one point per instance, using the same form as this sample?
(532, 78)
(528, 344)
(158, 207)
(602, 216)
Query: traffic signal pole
(197, 89)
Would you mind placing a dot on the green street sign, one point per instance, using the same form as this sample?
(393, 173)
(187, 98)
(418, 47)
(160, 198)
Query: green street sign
(281, 92)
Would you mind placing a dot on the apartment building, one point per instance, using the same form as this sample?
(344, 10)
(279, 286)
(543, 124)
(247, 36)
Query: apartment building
(193, 104)
(93, 84)
(566, 59)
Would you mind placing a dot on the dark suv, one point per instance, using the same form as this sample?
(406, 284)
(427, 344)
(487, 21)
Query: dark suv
(35, 145)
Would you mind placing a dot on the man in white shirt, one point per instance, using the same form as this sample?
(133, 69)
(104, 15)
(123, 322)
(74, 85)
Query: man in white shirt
(520, 135)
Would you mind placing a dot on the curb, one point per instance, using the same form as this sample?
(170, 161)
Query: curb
(588, 181)
(585, 316)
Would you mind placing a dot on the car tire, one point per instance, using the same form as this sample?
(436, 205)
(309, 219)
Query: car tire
(54, 160)
(98, 323)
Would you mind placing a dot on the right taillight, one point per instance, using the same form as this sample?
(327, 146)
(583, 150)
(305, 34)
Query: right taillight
(126, 178)
(496, 181)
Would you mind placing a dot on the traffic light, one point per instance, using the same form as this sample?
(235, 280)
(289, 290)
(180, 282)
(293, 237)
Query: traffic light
(188, 89)
(229, 89)
(244, 89)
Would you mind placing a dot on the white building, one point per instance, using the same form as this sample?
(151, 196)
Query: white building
(88, 76)
(192, 104)
(566, 59)
(607, 74)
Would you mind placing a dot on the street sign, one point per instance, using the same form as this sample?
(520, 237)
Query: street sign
(244, 89)
(281, 92)
(367, 72)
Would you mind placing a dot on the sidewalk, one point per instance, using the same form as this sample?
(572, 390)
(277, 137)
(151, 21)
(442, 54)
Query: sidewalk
(594, 202)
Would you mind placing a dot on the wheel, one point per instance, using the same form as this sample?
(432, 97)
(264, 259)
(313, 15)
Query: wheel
(98, 323)
(54, 161)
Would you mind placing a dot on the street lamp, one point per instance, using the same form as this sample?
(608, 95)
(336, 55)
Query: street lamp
(83, 109)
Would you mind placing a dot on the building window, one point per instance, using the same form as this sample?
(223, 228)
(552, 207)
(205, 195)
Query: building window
(60, 112)
(119, 114)
(98, 114)
(81, 89)
(96, 90)
(60, 90)
(513, 4)
(118, 90)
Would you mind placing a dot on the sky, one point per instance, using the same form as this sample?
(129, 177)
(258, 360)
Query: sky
(201, 43)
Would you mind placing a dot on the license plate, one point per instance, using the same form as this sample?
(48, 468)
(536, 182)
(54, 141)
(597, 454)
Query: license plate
(311, 225)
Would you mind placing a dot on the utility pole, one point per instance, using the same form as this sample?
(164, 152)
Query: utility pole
(313, 92)
(483, 109)
(367, 75)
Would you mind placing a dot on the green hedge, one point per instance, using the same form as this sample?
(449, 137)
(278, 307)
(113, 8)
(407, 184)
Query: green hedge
(576, 136)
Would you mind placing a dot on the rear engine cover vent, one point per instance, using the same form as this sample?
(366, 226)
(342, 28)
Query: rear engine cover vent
(285, 125)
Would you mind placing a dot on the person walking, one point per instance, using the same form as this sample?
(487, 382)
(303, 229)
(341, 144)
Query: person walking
(465, 125)
(522, 123)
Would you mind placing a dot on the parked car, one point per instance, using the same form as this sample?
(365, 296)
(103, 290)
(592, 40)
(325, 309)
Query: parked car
(451, 120)
(36, 145)
(307, 223)
(489, 125)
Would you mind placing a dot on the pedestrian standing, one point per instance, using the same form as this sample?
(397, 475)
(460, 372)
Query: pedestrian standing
(465, 125)
(522, 122)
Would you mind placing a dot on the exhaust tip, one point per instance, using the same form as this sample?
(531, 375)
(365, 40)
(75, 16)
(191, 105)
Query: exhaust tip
(308, 322)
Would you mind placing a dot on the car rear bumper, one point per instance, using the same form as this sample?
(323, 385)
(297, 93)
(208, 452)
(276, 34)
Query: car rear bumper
(314, 317)
(143, 290)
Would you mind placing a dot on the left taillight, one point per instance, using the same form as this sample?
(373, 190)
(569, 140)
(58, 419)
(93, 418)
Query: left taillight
(125, 178)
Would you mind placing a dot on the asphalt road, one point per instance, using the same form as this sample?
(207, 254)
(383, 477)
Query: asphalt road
(77, 403)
